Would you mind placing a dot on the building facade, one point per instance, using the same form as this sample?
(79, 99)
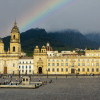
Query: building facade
(45, 60)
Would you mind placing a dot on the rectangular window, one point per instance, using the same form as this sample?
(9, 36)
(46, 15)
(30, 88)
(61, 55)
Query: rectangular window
(30, 61)
(97, 64)
(49, 69)
(48, 64)
(97, 69)
(83, 69)
(92, 69)
(83, 64)
(22, 67)
(66, 64)
(53, 69)
(66, 69)
(79, 69)
(53, 64)
(61, 64)
(30, 71)
(13, 64)
(57, 69)
(57, 64)
(87, 69)
(22, 70)
(26, 67)
(26, 62)
(87, 64)
(62, 69)
(19, 66)
(92, 64)
(20, 62)
(29, 67)
(78, 64)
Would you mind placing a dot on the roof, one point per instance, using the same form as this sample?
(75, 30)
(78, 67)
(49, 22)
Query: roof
(73, 54)
(26, 57)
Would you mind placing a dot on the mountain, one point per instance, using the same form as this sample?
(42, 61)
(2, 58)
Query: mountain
(93, 37)
(73, 38)
(62, 40)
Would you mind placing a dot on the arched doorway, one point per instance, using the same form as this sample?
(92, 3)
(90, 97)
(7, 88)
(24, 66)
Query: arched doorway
(40, 70)
(73, 71)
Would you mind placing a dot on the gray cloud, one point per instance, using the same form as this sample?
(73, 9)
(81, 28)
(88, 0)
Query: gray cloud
(83, 15)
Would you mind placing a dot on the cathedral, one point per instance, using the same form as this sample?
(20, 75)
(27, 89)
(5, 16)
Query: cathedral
(45, 60)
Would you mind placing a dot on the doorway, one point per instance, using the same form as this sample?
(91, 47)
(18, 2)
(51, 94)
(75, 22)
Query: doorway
(72, 71)
(5, 70)
(40, 70)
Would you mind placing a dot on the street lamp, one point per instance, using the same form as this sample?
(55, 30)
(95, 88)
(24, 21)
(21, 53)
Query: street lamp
(19, 73)
(47, 72)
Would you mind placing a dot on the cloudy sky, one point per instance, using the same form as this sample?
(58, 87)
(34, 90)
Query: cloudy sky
(53, 15)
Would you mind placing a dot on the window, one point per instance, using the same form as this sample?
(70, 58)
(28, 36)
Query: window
(53, 64)
(49, 69)
(19, 66)
(13, 49)
(97, 69)
(13, 64)
(57, 69)
(23, 62)
(14, 37)
(53, 69)
(23, 79)
(92, 69)
(26, 67)
(61, 64)
(26, 62)
(57, 64)
(83, 69)
(87, 69)
(87, 54)
(48, 64)
(20, 62)
(97, 54)
(50, 54)
(83, 64)
(22, 67)
(66, 64)
(62, 60)
(92, 64)
(66, 69)
(29, 67)
(30, 62)
(66, 60)
(87, 64)
(97, 64)
(53, 60)
(78, 64)
(26, 79)
(78, 59)
(62, 69)
(92, 54)
(72, 64)
(22, 70)
(79, 69)
(30, 71)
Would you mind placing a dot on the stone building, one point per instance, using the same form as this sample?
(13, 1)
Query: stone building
(45, 60)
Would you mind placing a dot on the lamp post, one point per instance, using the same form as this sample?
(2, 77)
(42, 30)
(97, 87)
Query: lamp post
(19, 73)
(47, 72)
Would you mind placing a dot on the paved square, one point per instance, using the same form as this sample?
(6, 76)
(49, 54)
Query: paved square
(60, 89)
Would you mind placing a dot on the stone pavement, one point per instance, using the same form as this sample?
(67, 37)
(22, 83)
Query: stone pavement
(60, 89)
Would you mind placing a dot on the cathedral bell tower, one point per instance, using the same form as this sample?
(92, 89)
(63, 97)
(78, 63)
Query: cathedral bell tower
(15, 46)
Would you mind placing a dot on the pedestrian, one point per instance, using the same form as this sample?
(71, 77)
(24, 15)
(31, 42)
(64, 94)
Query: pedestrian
(3, 77)
(30, 78)
(39, 79)
(56, 77)
(37, 73)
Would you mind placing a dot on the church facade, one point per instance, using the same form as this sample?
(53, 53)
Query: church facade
(46, 60)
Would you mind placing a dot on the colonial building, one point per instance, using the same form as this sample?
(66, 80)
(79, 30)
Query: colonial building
(45, 60)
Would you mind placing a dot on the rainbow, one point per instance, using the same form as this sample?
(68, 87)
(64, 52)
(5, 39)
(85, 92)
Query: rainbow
(48, 9)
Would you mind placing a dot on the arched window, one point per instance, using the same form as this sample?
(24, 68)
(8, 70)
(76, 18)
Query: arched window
(13, 49)
(14, 37)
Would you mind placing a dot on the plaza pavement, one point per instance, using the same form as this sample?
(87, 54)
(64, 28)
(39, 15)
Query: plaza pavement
(71, 88)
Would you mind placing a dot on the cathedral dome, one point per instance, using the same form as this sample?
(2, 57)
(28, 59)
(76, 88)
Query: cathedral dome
(15, 28)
